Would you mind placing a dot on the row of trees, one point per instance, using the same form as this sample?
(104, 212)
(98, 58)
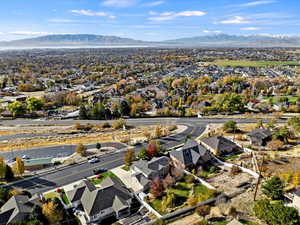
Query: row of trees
(7, 173)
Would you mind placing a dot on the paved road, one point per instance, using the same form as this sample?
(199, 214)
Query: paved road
(58, 178)
(109, 161)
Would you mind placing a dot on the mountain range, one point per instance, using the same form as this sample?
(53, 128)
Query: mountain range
(218, 40)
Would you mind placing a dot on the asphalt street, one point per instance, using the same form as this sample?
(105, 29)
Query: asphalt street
(195, 127)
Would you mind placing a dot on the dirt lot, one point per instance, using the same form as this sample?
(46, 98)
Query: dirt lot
(228, 184)
(283, 165)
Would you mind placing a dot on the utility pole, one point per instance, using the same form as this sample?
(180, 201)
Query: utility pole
(258, 180)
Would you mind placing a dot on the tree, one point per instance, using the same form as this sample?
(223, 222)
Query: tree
(2, 167)
(81, 149)
(158, 132)
(157, 188)
(143, 154)
(230, 126)
(276, 213)
(152, 150)
(16, 108)
(98, 111)
(34, 104)
(259, 124)
(129, 157)
(124, 108)
(19, 167)
(52, 214)
(273, 188)
(203, 210)
(295, 124)
(98, 146)
(4, 195)
(168, 201)
(83, 114)
(9, 175)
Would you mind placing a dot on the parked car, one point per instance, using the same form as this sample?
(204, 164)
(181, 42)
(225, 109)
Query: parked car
(99, 170)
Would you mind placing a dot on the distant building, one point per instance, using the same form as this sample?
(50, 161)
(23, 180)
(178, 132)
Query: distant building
(191, 155)
(260, 137)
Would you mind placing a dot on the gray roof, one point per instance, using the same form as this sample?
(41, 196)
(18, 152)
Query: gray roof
(151, 168)
(297, 192)
(191, 153)
(260, 133)
(17, 208)
(76, 194)
(112, 194)
(220, 143)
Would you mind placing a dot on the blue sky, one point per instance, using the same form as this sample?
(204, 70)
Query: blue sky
(148, 19)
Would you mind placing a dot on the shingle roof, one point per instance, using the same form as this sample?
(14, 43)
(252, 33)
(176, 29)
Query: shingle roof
(76, 194)
(105, 197)
(219, 143)
(15, 209)
(190, 153)
(260, 133)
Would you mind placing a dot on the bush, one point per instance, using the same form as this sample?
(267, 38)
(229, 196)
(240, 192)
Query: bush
(105, 125)
(81, 149)
(235, 170)
(273, 188)
(189, 179)
(203, 210)
(230, 126)
(118, 124)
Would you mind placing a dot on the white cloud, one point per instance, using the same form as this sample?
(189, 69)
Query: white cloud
(250, 28)
(61, 21)
(92, 13)
(119, 3)
(155, 3)
(235, 20)
(255, 3)
(29, 33)
(212, 31)
(173, 15)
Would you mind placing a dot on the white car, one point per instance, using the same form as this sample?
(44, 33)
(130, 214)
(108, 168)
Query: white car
(25, 157)
(93, 160)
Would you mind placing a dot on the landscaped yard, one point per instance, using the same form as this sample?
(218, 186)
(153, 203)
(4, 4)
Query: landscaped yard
(180, 193)
(51, 195)
(101, 177)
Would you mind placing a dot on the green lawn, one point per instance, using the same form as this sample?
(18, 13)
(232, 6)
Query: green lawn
(275, 99)
(51, 195)
(182, 193)
(65, 199)
(102, 177)
(245, 63)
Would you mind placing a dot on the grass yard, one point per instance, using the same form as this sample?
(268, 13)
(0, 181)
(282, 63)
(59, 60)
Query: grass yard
(65, 199)
(182, 191)
(245, 63)
(51, 195)
(275, 99)
(103, 176)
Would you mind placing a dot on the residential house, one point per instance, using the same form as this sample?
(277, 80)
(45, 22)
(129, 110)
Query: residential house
(220, 145)
(146, 171)
(296, 200)
(260, 137)
(191, 155)
(112, 198)
(16, 209)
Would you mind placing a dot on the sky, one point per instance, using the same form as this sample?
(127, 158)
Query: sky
(151, 20)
